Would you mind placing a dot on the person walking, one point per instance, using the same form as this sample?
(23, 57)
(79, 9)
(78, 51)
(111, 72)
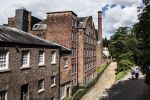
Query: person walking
(132, 74)
(137, 73)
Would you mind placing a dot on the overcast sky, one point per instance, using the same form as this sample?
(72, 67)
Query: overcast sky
(116, 13)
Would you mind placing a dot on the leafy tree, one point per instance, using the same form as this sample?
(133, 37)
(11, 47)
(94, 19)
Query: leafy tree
(105, 42)
(142, 30)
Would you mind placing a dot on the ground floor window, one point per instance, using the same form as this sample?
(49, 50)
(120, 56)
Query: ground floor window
(63, 91)
(3, 95)
(25, 92)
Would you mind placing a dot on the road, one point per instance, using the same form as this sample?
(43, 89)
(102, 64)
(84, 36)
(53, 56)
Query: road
(128, 89)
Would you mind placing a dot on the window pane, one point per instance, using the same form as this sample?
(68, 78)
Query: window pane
(41, 57)
(3, 95)
(25, 58)
(3, 59)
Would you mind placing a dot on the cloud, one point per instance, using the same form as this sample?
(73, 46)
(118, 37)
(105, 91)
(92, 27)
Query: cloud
(114, 16)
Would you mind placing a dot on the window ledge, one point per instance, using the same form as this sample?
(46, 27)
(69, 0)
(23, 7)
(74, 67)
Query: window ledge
(53, 63)
(53, 85)
(65, 67)
(25, 67)
(4, 70)
(41, 90)
(41, 65)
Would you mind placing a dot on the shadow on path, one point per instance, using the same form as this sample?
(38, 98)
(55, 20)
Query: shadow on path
(127, 90)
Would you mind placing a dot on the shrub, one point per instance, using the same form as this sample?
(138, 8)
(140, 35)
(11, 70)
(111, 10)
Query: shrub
(121, 75)
(124, 65)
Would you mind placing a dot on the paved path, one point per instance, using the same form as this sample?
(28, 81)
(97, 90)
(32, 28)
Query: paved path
(105, 82)
(129, 89)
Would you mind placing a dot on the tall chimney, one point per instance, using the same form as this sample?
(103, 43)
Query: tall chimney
(100, 24)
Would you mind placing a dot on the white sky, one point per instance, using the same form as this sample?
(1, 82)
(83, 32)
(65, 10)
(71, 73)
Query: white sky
(116, 13)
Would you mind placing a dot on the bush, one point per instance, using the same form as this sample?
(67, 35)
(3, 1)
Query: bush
(124, 65)
(121, 75)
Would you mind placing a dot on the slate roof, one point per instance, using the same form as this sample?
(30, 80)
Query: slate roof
(13, 35)
(82, 21)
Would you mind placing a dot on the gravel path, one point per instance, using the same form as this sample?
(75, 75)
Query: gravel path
(105, 82)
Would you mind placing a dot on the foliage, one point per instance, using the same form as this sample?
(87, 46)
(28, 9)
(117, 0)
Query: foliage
(100, 69)
(67, 98)
(105, 42)
(124, 65)
(121, 75)
(126, 56)
(142, 31)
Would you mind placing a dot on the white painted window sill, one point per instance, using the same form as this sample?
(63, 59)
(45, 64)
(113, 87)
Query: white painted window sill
(41, 90)
(25, 67)
(4, 70)
(53, 85)
(41, 65)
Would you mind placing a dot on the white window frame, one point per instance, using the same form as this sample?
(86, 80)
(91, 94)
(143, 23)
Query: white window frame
(53, 59)
(7, 60)
(28, 59)
(65, 63)
(42, 52)
(5, 93)
(63, 92)
(42, 88)
(54, 81)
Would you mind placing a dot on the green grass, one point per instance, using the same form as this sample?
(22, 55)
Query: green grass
(100, 69)
(121, 75)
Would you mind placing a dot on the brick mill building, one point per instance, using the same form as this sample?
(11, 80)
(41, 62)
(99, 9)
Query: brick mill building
(29, 66)
(69, 31)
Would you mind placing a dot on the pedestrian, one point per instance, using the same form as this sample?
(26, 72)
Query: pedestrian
(132, 73)
(137, 73)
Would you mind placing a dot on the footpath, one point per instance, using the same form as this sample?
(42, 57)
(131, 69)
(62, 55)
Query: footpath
(105, 82)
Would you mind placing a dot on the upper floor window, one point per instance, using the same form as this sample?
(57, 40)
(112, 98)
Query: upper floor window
(41, 85)
(53, 57)
(53, 81)
(65, 63)
(41, 57)
(25, 58)
(3, 95)
(3, 60)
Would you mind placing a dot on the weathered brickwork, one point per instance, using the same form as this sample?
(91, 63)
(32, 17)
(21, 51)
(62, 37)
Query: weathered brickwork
(12, 79)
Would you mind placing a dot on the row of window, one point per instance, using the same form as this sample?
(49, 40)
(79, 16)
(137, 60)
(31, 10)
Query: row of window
(25, 89)
(74, 52)
(74, 36)
(89, 78)
(89, 53)
(25, 58)
(89, 40)
(74, 68)
(88, 66)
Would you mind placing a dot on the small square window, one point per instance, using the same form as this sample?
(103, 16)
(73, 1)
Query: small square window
(53, 81)
(3, 95)
(41, 57)
(53, 57)
(25, 58)
(3, 60)
(41, 85)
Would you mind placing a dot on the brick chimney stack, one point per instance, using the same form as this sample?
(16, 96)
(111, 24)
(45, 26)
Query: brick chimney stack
(100, 24)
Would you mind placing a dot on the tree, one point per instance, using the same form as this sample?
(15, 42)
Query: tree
(105, 42)
(142, 30)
